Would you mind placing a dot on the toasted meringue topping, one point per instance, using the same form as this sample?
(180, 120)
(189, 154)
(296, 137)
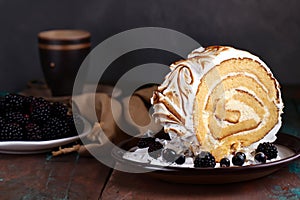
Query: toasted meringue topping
(174, 100)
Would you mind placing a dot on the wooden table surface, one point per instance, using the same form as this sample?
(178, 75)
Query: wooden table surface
(71, 176)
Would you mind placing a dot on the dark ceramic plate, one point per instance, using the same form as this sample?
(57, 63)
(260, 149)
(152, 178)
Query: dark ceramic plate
(288, 143)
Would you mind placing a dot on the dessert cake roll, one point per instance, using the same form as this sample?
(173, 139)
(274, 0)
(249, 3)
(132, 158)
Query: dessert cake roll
(220, 100)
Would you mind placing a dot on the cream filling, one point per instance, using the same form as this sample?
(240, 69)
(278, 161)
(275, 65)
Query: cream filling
(246, 111)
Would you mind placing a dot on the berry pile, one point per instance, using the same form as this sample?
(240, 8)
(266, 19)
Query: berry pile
(264, 151)
(35, 119)
(156, 149)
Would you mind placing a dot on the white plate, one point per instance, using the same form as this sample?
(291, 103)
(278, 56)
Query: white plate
(29, 147)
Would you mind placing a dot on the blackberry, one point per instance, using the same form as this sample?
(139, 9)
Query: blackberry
(224, 162)
(71, 124)
(75, 123)
(28, 104)
(39, 101)
(180, 160)
(268, 149)
(14, 100)
(26, 119)
(162, 135)
(260, 157)
(13, 116)
(40, 114)
(33, 132)
(11, 132)
(29, 100)
(238, 159)
(59, 110)
(169, 155)
(3, 106)
(16, 117)
(2, 122)
(145, 142)
(155, 149)
(40, 110)
(205, 159)
(56, 128)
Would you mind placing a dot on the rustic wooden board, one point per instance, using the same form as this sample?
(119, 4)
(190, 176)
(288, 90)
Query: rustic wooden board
(44, 177)
(284, 184)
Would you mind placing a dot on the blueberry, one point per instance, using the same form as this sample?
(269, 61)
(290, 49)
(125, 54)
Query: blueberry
(155, 150)
(169, 155)
(241, 154)
(260, 157)
(239, 159)
(225, 162)
(180, 160)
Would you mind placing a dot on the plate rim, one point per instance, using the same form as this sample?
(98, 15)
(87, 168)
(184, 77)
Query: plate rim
(163, 169)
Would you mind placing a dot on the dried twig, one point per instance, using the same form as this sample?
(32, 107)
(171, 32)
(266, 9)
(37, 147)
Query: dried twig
(66, 150)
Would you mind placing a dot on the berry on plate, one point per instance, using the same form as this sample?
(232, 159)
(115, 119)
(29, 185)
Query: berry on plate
(260, 157)
(224, 162)
(169, 155)
(268, 149)
(204, 159)
(239, 159)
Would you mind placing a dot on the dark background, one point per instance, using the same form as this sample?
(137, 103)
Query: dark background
(267, 28)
